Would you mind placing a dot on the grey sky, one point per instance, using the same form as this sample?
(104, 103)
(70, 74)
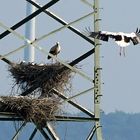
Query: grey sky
(120, 75)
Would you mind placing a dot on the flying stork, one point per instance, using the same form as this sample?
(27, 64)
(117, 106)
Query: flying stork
(55, 50)
(122, 39)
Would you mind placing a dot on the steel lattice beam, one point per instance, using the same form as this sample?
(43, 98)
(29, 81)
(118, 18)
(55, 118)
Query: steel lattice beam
(62, 22)
(97, 74)
(57, 118)
(33, 134)
(17, 25)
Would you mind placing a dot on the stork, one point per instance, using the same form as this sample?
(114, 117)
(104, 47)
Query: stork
(55, 50)
(122, 39)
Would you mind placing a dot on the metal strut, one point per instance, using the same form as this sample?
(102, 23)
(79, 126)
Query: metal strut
(97, 74)
(62, 21)
(2, 35)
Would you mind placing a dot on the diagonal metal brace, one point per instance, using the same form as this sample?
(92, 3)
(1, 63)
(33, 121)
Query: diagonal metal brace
(62, 22)
(2, 35)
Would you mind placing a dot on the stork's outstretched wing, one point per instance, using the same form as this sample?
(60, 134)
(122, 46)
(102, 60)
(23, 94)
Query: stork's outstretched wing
(101, 35)
(124, 38)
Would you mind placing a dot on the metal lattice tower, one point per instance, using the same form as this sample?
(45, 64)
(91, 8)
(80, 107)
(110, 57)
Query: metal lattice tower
(48, 132)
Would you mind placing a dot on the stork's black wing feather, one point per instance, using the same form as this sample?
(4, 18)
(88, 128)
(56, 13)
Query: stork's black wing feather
(52, 52)
(49, 57)
(96, 35)
(135, 40)
(99, 35)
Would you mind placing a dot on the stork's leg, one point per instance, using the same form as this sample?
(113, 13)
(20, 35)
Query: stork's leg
(120, 51)
(124, 51)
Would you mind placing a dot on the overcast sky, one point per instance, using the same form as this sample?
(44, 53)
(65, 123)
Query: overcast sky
(120, 75)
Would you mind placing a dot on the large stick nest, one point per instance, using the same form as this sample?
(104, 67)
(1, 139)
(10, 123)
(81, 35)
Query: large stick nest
(46, 77)
(38, 111)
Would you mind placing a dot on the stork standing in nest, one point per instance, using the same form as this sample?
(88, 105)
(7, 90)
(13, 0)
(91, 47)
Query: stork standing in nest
(122, 39)
(55, 50)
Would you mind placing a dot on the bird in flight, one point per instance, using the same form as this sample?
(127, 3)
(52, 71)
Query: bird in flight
(122, 39)
(55, 50)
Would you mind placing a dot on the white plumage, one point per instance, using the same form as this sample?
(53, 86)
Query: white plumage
(122, 39)
(55, 50)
